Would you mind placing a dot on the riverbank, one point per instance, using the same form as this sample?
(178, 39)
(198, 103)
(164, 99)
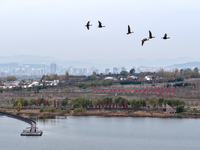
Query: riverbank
(102, 113)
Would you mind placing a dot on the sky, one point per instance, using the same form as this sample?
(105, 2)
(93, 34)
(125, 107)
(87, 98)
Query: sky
(56, 28)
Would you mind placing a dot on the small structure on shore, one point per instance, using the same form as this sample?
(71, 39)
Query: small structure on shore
(169, 109)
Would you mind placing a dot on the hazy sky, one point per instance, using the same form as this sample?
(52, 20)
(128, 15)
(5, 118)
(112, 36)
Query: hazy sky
(57, 28)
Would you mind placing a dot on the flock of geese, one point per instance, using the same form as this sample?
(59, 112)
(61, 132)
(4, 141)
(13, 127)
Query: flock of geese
(165, 37)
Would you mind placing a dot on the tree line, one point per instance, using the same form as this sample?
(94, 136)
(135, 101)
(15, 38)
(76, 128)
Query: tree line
(120, 102)
(107, 102)
(80, 104)
(39, 102)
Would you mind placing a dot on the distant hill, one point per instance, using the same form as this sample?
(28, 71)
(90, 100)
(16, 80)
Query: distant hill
(100, 63)
(185, 65)
(26, 59)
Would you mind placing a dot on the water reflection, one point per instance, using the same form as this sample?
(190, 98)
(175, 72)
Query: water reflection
(50, 120)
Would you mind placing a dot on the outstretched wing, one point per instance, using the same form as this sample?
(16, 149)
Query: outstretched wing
(100, 24)
(165, 36)
(129, 29)
(150, 34)
(88, 23)
(143, 42)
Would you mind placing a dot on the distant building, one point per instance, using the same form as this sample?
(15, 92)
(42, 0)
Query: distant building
(123, 69)
(133, 77)
(53, 68)
(107, 71)
(169, 109)
(82, 71)
(149, 78)
(93, 69)
(27, 69)
(77, 71)
(44, 68)
(110, 78)
(115, 70)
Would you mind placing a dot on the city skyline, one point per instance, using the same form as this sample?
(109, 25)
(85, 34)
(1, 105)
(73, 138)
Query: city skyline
(53, 68)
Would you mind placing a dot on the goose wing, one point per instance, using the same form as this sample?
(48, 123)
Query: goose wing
(100, 24)
(143, 41)
(129, 29)
(88, 23)
(165, 36)
(150, 34)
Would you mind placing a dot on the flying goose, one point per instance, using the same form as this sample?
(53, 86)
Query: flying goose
(100, 25)
(150, 35)
(165, 37)
(88, 25)
(145, 39)
(129, 30)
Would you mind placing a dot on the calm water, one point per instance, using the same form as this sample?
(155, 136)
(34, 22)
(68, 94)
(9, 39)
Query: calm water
(99, 133)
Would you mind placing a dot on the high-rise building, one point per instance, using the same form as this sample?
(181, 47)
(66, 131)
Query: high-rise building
(53, 67)
(107, 71)
(44, 68)
(115, 70)
(123, 69)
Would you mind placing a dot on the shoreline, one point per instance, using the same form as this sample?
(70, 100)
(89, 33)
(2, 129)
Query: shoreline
(103, 113)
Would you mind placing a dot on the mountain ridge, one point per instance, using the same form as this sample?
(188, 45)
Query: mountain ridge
(184, 62)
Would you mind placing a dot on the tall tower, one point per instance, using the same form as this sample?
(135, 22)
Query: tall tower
(53, 67)
(44, 68)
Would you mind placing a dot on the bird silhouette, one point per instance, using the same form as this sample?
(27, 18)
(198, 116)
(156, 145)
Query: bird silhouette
(100, 25)
(129, 30)
(145, 39)
(88, 25)
(150, 35)
(165, 37)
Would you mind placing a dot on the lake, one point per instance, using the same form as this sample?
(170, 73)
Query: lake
(102, 133)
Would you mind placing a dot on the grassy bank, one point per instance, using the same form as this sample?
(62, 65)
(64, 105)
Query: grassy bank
(103, 113)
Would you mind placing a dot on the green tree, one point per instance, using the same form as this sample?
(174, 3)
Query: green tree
(143, 103)
(152, 102)
(107, 101)
(196, 72)
(132, 71)
(80, 102)
(65, 102)
(31, 102)
(169, 102)
(179, 108)
(174, 102)
(124, 74)
(25, 102)
(160, 101)
(136, 104)
(77, 104)
(118, 99)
